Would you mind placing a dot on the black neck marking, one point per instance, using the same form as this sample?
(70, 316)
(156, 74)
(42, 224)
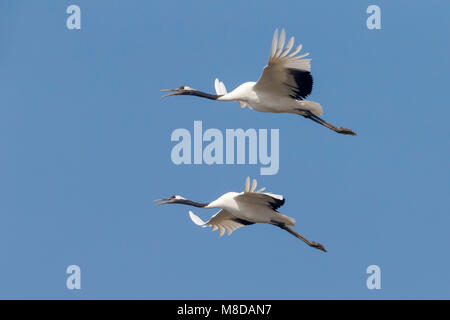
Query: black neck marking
(191, 203)
(202, 94)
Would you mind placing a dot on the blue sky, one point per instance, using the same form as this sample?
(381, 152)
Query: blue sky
(85, 149)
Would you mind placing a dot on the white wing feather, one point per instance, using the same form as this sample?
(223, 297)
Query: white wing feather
(220, 87)
(222, 220)
(279, 76)
(254, 184)
(264, 199)
(247, 185)
(281, 41)
(278, 55)
(249, 191)
(222, 90)
(274, 43)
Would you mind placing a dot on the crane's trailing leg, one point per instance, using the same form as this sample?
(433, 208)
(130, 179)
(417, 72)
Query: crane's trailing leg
(309, 115)
(312, 244)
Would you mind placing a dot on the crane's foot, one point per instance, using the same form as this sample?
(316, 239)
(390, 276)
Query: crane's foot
(345, 131)
(318, 246)
(309, 115)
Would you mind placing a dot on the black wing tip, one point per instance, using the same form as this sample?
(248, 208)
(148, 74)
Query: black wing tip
(243, 221)
(277, 203)
(304, 81)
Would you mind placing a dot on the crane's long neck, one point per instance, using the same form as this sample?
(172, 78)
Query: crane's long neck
(191, 203)
(201, 94)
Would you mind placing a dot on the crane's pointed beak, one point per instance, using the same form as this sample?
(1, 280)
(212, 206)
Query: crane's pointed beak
(173, 92)
(163, 201)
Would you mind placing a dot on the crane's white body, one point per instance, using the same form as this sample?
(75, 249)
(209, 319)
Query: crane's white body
(275, 89)
(250, 205)
(247, 94)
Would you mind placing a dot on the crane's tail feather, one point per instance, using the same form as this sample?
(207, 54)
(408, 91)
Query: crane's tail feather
(220, 87)
(283, 219)
(311, 106)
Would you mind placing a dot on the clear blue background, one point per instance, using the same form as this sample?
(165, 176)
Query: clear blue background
(85, 149)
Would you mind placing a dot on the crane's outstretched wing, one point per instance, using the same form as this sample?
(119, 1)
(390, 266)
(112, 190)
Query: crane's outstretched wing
(220, 87)
(286, 74)
(222, 220)
(271, 200)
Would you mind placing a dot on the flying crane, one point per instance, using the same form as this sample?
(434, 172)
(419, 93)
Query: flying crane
(285, 83)
(238, 209)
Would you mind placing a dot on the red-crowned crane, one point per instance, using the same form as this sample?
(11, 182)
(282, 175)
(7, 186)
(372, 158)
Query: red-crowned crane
(238, 209)
(285, 83)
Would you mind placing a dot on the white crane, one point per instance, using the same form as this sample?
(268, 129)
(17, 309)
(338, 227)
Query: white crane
(240, 209)
(285, 83)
